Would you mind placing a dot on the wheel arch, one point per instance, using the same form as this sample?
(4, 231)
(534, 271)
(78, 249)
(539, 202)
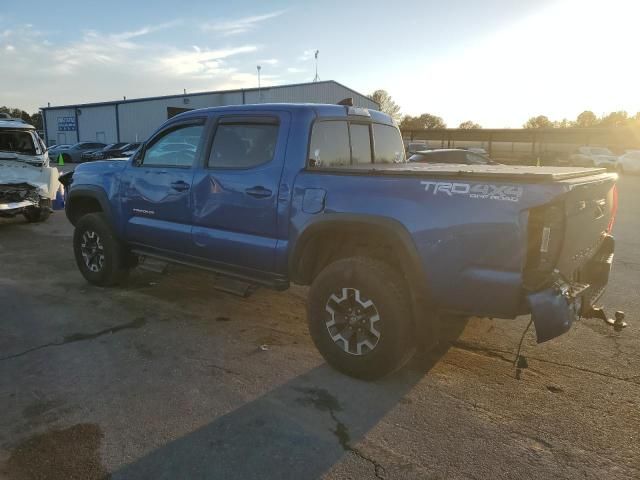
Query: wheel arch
(308, 254)
(86, 199)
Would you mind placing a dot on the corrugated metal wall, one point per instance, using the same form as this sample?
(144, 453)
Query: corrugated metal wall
(98, 124)
(137, 120)
(55, 136)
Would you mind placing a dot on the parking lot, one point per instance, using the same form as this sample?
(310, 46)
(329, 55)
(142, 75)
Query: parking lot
(168, 378)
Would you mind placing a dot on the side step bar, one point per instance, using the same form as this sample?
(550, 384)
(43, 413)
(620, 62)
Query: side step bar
(228, 282)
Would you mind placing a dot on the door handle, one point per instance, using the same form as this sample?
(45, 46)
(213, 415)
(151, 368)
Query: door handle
(258, 192)
(180, 185)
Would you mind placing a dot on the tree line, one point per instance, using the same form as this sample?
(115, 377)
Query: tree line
(586, 119)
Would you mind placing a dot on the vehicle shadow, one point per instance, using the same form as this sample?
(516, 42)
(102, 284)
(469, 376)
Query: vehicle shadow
(298, 430)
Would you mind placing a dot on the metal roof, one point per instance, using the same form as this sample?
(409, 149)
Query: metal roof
(182, 95)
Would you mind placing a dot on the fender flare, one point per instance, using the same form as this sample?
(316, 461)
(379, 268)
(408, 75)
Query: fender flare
(88, 191)
(412, 263)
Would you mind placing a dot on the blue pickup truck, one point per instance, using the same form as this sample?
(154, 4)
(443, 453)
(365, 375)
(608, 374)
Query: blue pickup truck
(322, 195)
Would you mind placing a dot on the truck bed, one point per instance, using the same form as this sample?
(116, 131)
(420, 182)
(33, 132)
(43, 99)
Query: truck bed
(517, 173)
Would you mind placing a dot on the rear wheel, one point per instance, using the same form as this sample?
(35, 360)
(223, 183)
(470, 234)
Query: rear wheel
(359, 317)
(100, 256)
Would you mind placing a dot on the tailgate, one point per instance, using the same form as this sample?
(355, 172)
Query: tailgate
(589, 211)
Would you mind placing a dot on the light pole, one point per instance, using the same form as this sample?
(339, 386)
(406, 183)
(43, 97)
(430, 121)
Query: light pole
(259, 92)
(317, 77)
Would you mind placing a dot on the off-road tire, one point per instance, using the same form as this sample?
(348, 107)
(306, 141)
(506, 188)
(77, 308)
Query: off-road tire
(114, 266)
(38, 214)
(386, 288)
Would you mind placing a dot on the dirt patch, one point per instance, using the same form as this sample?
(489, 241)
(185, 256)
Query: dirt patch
(72, 453)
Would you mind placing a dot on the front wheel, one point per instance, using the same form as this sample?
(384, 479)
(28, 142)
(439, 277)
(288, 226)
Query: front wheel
(360, 317)
(100, 256)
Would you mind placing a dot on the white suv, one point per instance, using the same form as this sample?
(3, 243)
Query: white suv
(28, 185)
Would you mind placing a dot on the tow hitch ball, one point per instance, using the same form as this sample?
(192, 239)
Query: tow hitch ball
(618, 323)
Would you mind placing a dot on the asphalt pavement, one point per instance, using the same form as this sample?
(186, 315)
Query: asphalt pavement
(168, 378)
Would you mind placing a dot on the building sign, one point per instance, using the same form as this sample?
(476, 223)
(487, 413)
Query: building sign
(66, 124)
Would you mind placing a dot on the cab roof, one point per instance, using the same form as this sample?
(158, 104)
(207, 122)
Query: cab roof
(15, 124)
(319, 110)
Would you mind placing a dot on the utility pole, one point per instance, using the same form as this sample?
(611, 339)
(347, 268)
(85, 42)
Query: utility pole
(317, 77)
(259, 92)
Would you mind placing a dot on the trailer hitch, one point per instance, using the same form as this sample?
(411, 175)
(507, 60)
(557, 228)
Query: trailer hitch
(617, 323)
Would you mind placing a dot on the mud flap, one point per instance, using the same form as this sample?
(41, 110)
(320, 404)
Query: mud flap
(552, 313)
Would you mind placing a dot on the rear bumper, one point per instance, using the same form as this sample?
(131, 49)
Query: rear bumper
(554, 309)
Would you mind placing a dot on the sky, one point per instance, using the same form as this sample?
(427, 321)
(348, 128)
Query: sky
(496, 62)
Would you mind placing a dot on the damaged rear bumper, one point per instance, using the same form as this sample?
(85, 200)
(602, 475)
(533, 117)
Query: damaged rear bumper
(554, 309)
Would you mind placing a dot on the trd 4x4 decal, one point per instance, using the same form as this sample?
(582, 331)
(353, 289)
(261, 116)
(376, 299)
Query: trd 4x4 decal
(507, 193)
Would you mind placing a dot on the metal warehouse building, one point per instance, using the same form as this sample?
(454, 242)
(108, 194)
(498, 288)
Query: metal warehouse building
(134, 120)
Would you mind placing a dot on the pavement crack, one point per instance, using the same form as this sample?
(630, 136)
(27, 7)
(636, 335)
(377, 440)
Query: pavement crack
(322, 400)
(342, 434)
(488, 352)
(79, 337)
(500, 355)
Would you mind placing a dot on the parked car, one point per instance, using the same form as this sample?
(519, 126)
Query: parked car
(56, 150)
(478, 150)
(28, 185)
(74, 153)
(594, 157)
(107, 151)
(450, 155)
(417, 146)
(129, 150)
(287, 193)
(629, 162)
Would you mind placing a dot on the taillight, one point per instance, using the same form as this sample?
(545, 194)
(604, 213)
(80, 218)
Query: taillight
(545, 237)
(614, 208)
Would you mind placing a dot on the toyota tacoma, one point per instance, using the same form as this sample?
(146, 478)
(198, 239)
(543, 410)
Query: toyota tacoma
(322, 195)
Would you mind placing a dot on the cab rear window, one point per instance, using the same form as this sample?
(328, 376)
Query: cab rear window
(338, 143)
(387, 144)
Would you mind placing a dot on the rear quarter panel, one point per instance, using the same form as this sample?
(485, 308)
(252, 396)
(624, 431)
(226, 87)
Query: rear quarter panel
(472, 248)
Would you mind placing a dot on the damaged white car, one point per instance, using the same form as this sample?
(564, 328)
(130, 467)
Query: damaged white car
(28, 185)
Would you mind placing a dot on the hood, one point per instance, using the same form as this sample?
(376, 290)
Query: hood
(15, 172)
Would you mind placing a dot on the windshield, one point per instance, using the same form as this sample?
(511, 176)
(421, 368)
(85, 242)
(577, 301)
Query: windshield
(17, 141)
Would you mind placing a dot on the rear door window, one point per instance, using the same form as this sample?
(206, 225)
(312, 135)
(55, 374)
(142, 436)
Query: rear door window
(329, 145)
(388, 144)
(243, 144)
